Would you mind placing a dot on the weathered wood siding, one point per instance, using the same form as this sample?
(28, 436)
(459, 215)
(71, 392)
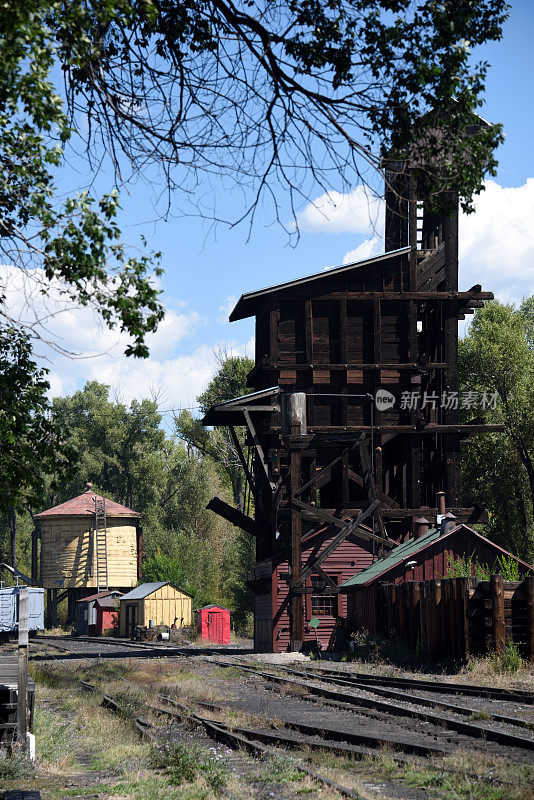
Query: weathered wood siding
(432, 564)
(351, 556)
(455, 618)
(68, 557)
(165, 606)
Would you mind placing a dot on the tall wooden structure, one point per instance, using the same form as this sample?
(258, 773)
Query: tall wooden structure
(337, 438)
(87, 543)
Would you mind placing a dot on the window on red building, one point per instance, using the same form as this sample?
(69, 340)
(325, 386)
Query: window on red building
(321, 603)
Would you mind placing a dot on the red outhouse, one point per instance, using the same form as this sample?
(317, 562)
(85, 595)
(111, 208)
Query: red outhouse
(213, 624)
(107, 614)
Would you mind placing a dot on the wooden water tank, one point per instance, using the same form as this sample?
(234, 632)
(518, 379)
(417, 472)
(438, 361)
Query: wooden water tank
(68, 546)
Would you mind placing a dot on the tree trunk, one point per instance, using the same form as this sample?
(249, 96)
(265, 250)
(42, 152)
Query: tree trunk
(13, 536)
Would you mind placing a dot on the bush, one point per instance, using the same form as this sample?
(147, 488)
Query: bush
(185, 762)
(368, 647)
(469, 567)
(509, 660)
(14, 766)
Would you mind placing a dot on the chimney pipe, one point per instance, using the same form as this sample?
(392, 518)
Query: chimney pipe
(440, 502)
(447, 523)
(420, 527)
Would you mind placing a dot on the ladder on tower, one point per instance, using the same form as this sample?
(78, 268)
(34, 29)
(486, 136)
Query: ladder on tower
(101, 544)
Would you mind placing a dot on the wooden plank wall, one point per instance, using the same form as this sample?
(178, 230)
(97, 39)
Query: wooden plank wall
(455, 617)
(166, 605)
(68, 557)
(351, 556)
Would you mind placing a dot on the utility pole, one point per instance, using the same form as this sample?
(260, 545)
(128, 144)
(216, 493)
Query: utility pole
(22, 693)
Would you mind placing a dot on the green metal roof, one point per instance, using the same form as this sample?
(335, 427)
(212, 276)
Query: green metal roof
(395, 557)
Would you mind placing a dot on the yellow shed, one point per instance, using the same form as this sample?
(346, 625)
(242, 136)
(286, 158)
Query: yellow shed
(158, 603)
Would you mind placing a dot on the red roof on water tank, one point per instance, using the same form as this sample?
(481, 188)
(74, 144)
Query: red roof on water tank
(83, 505)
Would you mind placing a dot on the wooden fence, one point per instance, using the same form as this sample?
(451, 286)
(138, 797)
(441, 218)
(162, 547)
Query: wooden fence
(458, 617)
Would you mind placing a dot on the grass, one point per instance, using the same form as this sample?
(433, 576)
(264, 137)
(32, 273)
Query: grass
(460, 776)
(184, 762)
(14, 767)
(281, 769)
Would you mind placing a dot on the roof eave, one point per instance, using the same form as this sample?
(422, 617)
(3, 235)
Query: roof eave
(240, 310)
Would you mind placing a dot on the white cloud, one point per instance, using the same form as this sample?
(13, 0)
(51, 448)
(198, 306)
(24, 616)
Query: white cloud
(181, 371)
(359, 211)
(226, 309)
(367, 249)
(497, 241)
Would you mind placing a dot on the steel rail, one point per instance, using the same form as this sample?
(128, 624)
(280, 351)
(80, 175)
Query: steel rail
(439, 687)
(220, 733)
(416, 699)
(477, 731)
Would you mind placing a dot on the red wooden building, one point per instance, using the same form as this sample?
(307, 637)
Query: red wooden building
(270, 584)
(418, 559)
(93, 620)
(107, 615)
(213, 624)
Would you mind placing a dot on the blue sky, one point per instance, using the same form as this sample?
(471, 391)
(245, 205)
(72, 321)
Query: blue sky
(206, 269)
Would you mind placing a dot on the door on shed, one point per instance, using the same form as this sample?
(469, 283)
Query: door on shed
(215, 626)
(131, 619)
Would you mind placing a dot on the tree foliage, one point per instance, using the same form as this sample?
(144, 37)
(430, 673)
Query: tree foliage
(31, 442)
(497, 355)
(277, 96)
(122, 449)
(230, 381)
(270, 92)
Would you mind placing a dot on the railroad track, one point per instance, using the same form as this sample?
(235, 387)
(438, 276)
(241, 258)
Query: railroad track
(436, 687)
(352, 695)
(233, 737)
(409, 708)
(298, 735)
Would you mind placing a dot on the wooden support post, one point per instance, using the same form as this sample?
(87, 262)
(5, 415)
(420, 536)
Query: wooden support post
(402, 596)
(453, 640)
(497, 611)
(35, 555)
(444, 616)
(22, 686)
(416, 616)
(435, 644)
(423, 631)
(296, 621)
(51, 608)
(462, 614)
(529, 597)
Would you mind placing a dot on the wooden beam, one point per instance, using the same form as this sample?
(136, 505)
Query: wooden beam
(324, 470)
(232, 515)
(405, 365)
(242, 460)
(369, 480)
(259, 449)
(296, 616)
(22, 681)
(316, 434)
(328, 518)
(467, 515)
(350, 527)
(308, 330)
(423, 295)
